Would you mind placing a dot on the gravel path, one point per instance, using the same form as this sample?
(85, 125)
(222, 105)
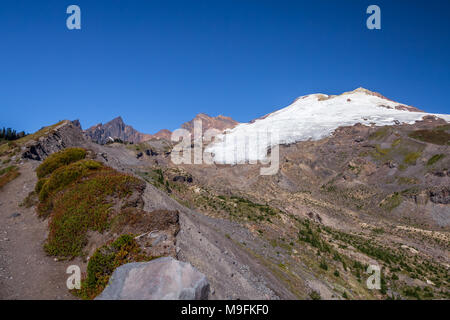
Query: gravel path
(26, 272)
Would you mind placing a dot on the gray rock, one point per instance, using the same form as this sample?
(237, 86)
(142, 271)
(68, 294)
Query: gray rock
(440, 195)
(159, 279)
(161, 238)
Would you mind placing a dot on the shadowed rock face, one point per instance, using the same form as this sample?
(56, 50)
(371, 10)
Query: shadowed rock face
(440, 195)
(116, 129)
(77, 124)
(159, 279)
(66, 135)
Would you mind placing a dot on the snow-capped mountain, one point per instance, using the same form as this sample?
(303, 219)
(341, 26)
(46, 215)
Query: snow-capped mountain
(310, 117)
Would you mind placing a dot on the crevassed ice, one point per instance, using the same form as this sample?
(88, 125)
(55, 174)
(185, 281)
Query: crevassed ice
(308, 118)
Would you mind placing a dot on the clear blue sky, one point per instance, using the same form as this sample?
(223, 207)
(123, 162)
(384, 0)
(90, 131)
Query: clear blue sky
(158, 63)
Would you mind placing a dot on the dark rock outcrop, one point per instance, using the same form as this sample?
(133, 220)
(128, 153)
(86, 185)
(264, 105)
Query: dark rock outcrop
(441, 196)
(67, 134)
(151, 153)
(77, 123)
(182, 179)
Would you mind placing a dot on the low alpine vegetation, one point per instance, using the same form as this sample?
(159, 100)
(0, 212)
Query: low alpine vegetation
(435, 159)
(8, 174)
(105, 260)
(438, 135)
(79, 195)
(59, 159)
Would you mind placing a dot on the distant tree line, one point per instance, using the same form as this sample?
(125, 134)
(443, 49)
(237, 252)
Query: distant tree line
(10, 134)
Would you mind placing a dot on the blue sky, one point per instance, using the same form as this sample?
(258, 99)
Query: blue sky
(158, 63)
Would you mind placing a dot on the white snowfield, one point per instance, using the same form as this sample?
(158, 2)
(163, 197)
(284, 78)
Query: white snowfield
(310, 117)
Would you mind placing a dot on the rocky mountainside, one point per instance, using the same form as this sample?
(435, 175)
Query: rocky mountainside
(146, 213)
(115, 129)
(362, 181)
(220, 123)
(365, 195)
(312, 117)
(163, 134)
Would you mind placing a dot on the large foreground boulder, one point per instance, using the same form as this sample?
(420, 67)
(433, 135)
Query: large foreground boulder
(159, 279)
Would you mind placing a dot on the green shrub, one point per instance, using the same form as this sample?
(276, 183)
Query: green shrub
(315, 295)
(378, 230)
(78, 195)
(40, 184)
(8, 174)
(411, 157)
(65, 175)
(309, 234)
(435, 159)
(396, 142)
(84, 206)
(391, 202)
(7, 169)
(105, 260)
(413, 292)
(323, 265)
(380, 133)
(59, 159)
(377, 252)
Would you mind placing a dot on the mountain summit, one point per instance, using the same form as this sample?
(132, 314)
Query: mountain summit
(115, 129)
(220, 122)
(312, 117)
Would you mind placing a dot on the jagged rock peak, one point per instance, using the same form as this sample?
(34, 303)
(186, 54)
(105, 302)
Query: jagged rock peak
(116, 129)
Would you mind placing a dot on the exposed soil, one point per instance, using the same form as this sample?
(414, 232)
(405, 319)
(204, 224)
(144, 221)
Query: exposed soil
(26, 272)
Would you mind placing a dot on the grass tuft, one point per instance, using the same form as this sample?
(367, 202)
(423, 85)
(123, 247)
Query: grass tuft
(411, 158)
(391, 202)
(435, 159)
(8, 174)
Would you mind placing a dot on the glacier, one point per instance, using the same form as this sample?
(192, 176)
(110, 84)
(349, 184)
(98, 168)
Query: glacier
(310, 117)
